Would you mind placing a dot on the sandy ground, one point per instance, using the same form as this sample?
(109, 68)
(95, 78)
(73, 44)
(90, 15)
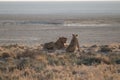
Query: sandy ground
(31, 29)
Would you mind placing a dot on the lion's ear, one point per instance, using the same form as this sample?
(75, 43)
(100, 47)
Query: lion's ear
(73, 34)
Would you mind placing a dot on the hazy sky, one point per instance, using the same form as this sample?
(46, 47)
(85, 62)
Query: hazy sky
(59, 0)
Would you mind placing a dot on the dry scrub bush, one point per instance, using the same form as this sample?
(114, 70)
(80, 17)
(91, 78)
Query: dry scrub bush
(26, 63)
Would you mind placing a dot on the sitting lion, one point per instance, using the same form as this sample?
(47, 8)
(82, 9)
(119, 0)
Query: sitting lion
(74, 44)
(59, 44)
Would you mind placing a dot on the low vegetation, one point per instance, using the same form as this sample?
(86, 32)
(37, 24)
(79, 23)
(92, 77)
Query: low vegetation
(20, 62)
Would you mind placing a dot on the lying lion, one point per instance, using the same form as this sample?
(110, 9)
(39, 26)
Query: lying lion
(59, 44)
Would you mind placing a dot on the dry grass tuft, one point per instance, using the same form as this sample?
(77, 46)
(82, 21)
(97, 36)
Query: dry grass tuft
(19, 62)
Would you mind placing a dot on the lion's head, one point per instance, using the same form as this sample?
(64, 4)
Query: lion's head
(60, 42)
(62, 39)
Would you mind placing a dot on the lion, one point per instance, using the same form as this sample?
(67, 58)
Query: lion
(74, 44)
(49, 46)
(59, 44)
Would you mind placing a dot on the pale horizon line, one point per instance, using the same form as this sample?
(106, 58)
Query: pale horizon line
(53, 0)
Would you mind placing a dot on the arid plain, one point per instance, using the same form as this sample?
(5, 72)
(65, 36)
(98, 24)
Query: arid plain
(22, 56)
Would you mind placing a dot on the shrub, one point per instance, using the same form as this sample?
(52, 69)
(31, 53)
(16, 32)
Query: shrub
(25, 62)
(5, 55)
(117, 61)
(105, 48)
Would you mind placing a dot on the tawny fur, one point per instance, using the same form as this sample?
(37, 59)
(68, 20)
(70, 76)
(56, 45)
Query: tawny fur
(74, 44)
(59, 44)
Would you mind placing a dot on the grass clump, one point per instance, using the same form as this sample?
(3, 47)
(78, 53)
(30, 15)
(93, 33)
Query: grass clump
(105, 48)
(30, 63)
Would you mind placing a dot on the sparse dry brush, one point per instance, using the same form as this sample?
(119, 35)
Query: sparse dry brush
(19, 62)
